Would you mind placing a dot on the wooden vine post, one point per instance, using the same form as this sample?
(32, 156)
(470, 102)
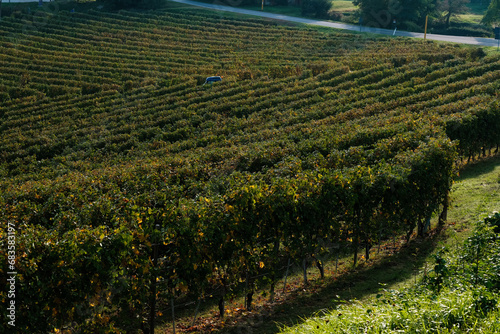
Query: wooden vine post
(273, 273)
(304, 270)
(286, 275)
(152, 303)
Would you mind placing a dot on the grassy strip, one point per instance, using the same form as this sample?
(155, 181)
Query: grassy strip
(475, 193)
(460, 294)
(451, 311)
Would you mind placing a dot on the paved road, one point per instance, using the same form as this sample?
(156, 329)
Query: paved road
(446, 38)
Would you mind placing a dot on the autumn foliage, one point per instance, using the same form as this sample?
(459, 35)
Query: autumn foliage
(111, 150)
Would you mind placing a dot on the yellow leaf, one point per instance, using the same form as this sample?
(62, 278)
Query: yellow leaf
(261, 264)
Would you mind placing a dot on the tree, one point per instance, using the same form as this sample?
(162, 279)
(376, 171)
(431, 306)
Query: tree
(318, 8)
(492, 15)
(375, 13)
(416, 11)
(383, 13)
(452, 8)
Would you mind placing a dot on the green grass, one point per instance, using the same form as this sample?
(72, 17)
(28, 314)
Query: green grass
(474, 13)
(470, 18)
(478, 8)
(448, 312)
(343, 6)
(476, 192)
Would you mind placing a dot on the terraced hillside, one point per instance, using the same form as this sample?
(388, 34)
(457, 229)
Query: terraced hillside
(126, 182)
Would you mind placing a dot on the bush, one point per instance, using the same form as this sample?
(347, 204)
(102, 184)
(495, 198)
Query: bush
(317, 8)
(463, 29)
(494, 220)
(411, 26)
(149, 4)
(281, 2)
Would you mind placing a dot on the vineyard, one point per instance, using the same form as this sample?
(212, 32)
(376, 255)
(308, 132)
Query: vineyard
(128, 184)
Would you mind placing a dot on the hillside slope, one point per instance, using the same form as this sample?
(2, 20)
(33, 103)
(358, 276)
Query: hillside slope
(123, 175)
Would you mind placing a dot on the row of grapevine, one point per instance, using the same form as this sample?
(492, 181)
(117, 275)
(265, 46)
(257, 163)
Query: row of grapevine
(317, 95)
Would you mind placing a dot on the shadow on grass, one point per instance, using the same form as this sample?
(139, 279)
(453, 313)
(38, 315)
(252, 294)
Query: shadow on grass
(323, 295)
(479, 167)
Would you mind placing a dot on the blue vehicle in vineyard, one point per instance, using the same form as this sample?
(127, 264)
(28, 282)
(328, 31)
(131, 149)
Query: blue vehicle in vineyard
(213, 79)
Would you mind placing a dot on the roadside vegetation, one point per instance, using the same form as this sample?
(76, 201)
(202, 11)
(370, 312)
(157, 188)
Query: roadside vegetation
(452, 17)
(462, 18)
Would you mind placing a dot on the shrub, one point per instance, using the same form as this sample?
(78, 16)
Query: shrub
(463, 29)
(317, 8)
(494, 220)
(120, 4)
